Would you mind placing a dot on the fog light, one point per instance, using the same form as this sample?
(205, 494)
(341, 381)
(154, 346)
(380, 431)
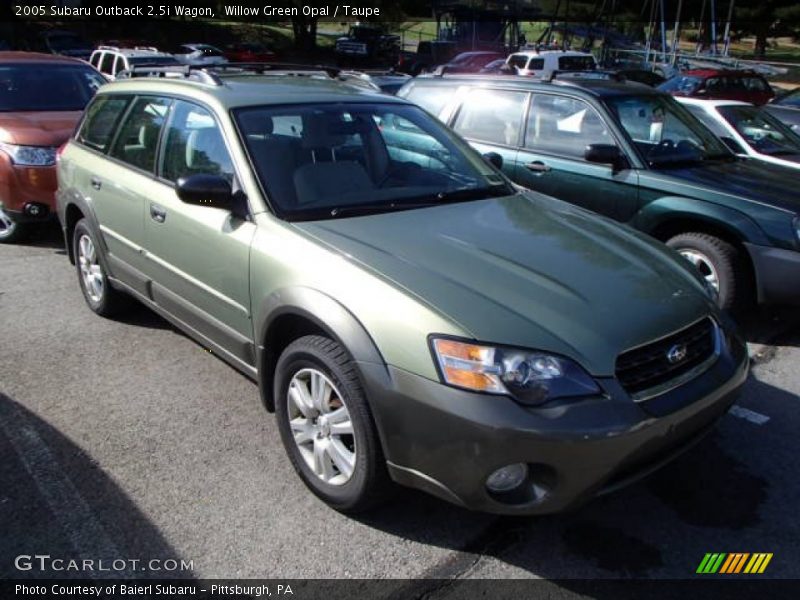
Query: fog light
(507, 478)
(35, 209)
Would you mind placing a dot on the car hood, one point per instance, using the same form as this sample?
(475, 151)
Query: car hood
(528, 271)
(38, 128)
(747, 179)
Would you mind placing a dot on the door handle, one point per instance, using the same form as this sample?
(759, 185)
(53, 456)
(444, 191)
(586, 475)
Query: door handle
(96, 183)
(538, 166)
(157, 213)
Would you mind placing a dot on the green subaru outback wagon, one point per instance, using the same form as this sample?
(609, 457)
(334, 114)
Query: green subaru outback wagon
(409, 315)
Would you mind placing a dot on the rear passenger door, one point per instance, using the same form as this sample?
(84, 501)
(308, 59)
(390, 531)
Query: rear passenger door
(551, 160)
(127, 128)
(198, 256)
(491, 120)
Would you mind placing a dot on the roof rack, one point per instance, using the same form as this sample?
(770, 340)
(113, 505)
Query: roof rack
(200, 74)
(210, 74)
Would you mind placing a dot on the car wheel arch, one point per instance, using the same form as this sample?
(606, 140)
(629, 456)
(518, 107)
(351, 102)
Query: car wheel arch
(288, 314)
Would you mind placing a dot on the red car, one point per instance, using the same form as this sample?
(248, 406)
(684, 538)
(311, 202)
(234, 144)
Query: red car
(42, 97)
(716, 84)
(249, 52)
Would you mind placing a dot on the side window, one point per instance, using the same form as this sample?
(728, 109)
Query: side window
(95, 59)
(137, 141)
(493, 116)
(100, 122)
(194, 144)
(714, 85)
(431, 98)
(119, 65)
(564, 126)
(715, 126)
(536, 64)
(107, 63)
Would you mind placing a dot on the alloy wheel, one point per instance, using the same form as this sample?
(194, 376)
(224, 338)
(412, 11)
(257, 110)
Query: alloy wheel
(703, 264)
(91, 271)
(7, 226)
(321, 426)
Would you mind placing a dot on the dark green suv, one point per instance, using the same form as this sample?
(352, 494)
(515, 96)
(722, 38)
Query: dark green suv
(634, 154)
(408, 314)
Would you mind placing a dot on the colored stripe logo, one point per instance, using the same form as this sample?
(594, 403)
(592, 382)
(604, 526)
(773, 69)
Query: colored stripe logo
(734, 563)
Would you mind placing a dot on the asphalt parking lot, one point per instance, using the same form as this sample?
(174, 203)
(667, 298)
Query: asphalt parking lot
(124, 438)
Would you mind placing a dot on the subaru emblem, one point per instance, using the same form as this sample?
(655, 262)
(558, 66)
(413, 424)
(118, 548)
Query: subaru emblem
(677, 353)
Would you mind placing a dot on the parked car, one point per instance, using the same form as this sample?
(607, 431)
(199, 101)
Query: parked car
(387, 82)
(41, 99)
(716, 84)
(498, 67)
(429, 55)
(470, 62)
(634, 154)
(370, 43)
(249, 52)
(65, 43)
(110, 60)
(644, 76)
(533, 63)
(407, 312)
(199, 55)
(748, 130)
(787, 108)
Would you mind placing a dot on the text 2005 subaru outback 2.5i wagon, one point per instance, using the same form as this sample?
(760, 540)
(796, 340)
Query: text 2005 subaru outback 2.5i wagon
(408, 314)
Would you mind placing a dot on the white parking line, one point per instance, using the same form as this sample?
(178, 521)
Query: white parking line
(748, 415)
(71, 511)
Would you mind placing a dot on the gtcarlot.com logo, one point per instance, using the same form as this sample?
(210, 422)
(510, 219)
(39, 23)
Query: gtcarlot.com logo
(734, 563)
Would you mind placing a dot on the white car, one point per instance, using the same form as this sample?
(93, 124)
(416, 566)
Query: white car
(111, 60)
(541, 63)
(199, 55)
(748, 130)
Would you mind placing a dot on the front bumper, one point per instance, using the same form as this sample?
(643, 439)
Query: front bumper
(447, 441)
(777, 274)
(24, 187)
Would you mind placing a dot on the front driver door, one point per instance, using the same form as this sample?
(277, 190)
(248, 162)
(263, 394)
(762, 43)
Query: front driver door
(198, 257)
(559, 128)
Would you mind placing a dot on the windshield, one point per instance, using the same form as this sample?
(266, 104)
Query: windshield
(681, 84)
(47, 87)
(664, 132)
(761, 130)
(325, 161)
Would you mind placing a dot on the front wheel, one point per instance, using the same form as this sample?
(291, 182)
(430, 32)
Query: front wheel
(719, 262)
(11, 232)
(326, 425)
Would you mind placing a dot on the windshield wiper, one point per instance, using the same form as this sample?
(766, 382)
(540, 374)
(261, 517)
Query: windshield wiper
(368, 209)
(490, 191)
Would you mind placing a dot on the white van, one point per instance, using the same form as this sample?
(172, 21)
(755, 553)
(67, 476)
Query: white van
(110, 60)
(542, 63)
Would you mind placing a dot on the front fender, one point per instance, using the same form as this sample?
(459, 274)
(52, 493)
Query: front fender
(328, 315)
(660, 212)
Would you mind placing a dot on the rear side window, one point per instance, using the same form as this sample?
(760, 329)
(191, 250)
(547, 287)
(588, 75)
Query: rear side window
(194, 144)
(576, 63)
(431, 98)
(755, 84)
(493, 116)
(517, 60)
(100, 121)
(536, 64)
(119, 64)
(107, 63)
(137, 141)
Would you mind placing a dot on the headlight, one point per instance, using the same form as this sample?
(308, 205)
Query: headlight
(529, 376)
(30, 156)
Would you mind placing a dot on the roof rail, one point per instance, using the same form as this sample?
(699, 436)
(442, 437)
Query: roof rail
(146, 48)
(286, 68)
(107, 48)
(585, 74)
(196, 73)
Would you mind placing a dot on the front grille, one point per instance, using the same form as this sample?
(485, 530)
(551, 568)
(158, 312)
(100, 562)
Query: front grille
(649, 367)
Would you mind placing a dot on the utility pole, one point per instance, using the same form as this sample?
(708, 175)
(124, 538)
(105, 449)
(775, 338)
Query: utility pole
(726, 39)
(675, 34)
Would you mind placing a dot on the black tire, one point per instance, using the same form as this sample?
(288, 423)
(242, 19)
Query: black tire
(369, 483)
(11, 232)
(109, 301)
(726, 260)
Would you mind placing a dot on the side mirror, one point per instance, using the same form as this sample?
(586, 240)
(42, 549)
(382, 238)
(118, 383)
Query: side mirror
(606, 154)
(204, 189)
(493, 158)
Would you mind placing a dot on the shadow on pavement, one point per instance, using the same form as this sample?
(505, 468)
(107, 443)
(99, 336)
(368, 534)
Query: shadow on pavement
(55, 500)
